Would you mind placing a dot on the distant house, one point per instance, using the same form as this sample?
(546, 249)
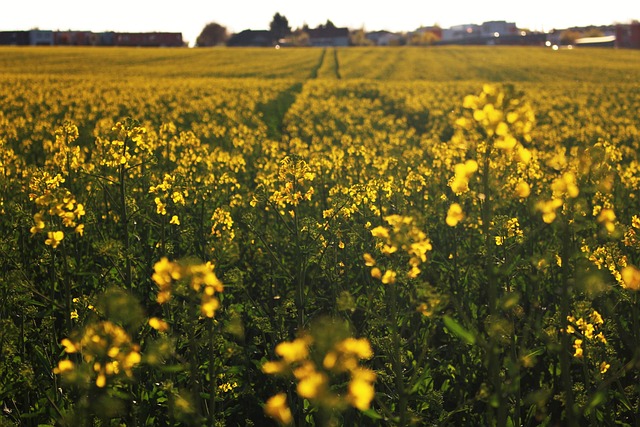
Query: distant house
(256, 38)
(148, 39)
(384, 38)
(628, 35)
(76, 38)
(328, 36)
(14, 38)
(40, 37)
(499, 28)
(604, 41)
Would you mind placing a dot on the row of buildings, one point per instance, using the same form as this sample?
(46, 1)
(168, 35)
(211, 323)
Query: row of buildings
(507, 33)
(487, 33)
(89, 38)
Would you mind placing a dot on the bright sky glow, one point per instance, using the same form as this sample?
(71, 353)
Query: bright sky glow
(190, 16)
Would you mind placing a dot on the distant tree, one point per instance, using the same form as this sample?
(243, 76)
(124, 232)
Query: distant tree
(359, 38)
(300, 37)
(279, 27)
(425, 38)
(593, 32)
(329, 24)
(569, 36)
(213, 34)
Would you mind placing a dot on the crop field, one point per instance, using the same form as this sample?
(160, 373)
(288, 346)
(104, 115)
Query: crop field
(443, 236)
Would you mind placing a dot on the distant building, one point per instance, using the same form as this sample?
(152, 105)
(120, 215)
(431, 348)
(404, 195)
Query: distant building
(148, 39)
(604, 41)
(41, 37)
(461, 32)
(384, 38)
(76, 38)
(256, 38)
(328, 36)
(14, 38)
(628, 36)
(499, 28)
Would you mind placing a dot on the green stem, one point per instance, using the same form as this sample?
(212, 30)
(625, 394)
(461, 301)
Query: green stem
(125, 223)
(213, 375)
(565, 308)
(493, 362)
(396, 359)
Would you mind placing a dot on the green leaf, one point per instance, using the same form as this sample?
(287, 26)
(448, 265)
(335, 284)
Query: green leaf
(372, 414)
(457, 329)
(597, 400)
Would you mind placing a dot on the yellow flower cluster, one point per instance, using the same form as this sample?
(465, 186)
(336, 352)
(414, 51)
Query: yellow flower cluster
(314, 380)
(64, 156)
(587, 330)
(199, 278)
(222, 227)
(402, 234)
(57, 208)
(294, 175)
(106, 350)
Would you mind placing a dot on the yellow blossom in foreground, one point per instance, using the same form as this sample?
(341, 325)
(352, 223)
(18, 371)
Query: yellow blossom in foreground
(389, 277)
(293, 351)
(381, 232)
(65, 365)
(577, 345)
(454, 215)
(368, 260)
(361, 390)
(523, 190)
(54, 238)
(158, 324)
(277, 408)
(607, 218)
(604, 367)
(631, 277)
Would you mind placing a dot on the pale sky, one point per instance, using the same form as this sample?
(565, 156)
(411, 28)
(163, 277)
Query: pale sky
(190, 16)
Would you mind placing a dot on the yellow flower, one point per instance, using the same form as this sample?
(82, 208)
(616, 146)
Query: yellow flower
(523, 190)
(273, 367)
(361, 348)
(293, 351)
(63, 366)
(361, 391)
(312, 385)
(577, 345)
(209, 305)
(607, 218)
(276, 408)
(54, 238)
(101, 380)
(597, 318)
(454, 215)
(389, 277)
(175, 220)
(604, 367)
(68, 345)
(631, 277)
(381, 232)
(368, 260)
(158, 324)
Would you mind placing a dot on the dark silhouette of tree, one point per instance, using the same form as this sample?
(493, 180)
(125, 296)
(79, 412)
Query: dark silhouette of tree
(279, 27)
(213, 34)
